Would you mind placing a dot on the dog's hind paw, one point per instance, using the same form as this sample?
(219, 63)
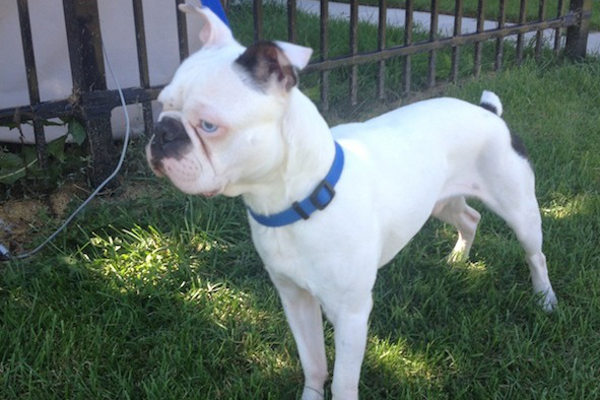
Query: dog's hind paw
(457, 257)
(460, 252)
(548, 300)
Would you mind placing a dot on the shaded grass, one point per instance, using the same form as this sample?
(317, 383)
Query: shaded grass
(163, 296)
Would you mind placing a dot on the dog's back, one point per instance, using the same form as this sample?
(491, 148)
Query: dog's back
(454, 122)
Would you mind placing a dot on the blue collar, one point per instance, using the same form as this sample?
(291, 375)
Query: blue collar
(317, 200)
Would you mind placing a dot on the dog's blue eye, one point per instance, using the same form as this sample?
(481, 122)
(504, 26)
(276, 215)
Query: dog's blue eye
(208, 127)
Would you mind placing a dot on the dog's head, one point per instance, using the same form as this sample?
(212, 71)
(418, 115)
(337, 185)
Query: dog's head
(220, 126)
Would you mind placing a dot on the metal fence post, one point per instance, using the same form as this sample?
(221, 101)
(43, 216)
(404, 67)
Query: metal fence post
(577, 35)
(87, 68)
(32, 82)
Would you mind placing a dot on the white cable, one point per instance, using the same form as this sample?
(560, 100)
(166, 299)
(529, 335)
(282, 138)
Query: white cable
(101, 186)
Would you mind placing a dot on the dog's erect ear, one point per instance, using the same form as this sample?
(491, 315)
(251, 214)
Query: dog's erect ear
(299, 56)
(276, 62)
(213, 31)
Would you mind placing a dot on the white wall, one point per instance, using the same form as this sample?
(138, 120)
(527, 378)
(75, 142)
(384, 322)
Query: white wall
(52, 55)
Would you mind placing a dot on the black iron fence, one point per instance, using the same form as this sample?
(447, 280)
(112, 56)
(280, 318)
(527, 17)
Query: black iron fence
(91, 102)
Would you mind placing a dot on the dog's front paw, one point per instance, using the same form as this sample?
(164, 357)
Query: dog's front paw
(310, 393)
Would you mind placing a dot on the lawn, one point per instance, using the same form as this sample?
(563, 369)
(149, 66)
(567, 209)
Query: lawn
(492, 8)
(161, 295)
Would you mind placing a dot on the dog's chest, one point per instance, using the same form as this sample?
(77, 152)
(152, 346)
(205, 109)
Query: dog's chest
(287, 255)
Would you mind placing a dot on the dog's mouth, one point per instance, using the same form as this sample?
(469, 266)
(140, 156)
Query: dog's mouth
(189, 178)
(155, 164)
(158, 168)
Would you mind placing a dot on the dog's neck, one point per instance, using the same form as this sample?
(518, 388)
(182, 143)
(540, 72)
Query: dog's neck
(309, 153)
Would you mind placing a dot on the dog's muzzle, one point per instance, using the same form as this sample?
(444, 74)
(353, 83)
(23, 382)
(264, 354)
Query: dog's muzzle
(170, 140)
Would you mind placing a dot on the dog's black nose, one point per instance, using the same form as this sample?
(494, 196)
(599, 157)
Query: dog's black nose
(170, 138)
(169, 130)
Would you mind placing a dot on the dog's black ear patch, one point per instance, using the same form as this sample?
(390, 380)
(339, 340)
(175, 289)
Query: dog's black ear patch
(518, 145)
(265, 62)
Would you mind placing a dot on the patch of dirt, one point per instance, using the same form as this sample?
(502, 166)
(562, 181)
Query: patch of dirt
(18, 218)
(21, 220)
(136, 190)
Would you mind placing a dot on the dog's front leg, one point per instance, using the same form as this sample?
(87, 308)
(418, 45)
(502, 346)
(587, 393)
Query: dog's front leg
(351, 327)
(304, 316)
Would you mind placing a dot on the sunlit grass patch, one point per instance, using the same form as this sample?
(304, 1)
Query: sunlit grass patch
(561, 208)
(398, 360)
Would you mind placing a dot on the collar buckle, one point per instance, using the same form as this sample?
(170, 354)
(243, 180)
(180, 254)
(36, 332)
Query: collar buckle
(323, 190)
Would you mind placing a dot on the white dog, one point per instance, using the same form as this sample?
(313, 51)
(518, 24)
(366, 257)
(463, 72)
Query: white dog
(328, 207)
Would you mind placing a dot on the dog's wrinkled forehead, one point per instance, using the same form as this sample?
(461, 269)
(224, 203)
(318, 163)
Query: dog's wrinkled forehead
(205, 73)
(212, 85)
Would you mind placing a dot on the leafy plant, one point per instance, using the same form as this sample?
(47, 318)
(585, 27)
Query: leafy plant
(23, 164)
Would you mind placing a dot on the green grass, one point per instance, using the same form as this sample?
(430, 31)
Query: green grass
(492, 9)
(163, 297)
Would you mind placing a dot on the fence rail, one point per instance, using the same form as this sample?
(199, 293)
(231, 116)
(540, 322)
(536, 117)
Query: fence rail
(91, 102)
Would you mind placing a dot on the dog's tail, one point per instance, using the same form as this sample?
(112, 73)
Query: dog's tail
(491, 102)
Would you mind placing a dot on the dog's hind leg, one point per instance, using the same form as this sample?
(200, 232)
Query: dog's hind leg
(512, 197)
(525, 220)
(456, 211)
